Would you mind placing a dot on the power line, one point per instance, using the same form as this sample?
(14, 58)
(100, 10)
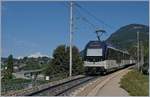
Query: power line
(82, 17)
(86, 20)
(93, 16)
(96, 28)
(66, 4)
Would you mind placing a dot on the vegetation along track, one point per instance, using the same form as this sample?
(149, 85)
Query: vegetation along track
(63, 88)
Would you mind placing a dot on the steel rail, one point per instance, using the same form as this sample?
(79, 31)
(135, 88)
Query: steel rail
(62, 88)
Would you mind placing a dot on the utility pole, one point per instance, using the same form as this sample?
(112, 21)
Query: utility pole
(138, 47)
(142, 56)
(71, 32)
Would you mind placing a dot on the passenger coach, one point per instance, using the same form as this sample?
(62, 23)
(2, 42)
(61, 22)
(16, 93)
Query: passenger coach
(100, 57)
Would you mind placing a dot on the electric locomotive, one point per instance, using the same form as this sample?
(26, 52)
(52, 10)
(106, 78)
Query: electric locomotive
(101, 58)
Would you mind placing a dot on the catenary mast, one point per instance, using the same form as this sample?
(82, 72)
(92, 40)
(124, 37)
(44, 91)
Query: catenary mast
(71, 33)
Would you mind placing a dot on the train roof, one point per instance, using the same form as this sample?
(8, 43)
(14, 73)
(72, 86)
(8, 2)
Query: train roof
(103, 44)
(96, 42)
(126, 52)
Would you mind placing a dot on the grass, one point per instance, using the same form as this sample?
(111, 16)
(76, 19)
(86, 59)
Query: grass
(19, 83)
(135, 83)
(13, 84)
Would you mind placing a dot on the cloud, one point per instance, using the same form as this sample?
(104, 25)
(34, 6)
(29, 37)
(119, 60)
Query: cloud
(20, 57)
(37, 54)
(34, 55)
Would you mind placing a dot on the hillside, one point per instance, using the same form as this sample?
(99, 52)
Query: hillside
(126, 36)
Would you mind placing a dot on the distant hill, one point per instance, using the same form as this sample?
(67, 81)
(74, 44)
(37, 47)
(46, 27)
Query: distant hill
(126, 36)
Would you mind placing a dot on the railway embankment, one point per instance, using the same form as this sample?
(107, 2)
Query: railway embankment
(29, 91)
(108, 85)
(135, 83)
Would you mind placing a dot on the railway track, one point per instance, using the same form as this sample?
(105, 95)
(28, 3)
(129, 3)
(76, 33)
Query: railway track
(63, 89)
(93, 87)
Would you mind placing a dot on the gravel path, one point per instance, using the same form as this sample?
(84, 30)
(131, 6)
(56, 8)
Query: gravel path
(104, 86)
(112, 88)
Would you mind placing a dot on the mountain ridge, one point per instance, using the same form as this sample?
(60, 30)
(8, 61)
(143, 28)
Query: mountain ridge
(128, 35)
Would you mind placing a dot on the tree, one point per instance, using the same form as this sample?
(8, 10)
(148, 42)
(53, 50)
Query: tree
(77, 66)
(9, 69)
(60, 58)
(49, 70)
(60, 61)
(133, 51)
(146, 51)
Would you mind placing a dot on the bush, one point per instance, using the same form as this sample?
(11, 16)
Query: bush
(145, 68)
(135, 83)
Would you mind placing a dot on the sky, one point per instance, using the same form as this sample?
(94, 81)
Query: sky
(31, 28)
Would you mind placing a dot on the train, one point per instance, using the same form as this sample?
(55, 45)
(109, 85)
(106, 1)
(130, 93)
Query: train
(100, 58)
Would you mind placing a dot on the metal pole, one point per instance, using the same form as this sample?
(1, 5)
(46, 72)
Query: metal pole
(138, 50)
(142, 56)
(71, 32)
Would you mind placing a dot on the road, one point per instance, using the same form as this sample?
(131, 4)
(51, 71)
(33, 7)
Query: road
(20, 75)
(104, 86)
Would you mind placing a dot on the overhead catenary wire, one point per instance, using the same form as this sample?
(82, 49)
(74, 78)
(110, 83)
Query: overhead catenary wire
(86, 20)
(95, 27)
(84, 10)
(81, 10)
(81, 16)
(93, 16)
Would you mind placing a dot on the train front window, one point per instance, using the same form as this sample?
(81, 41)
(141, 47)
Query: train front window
(94, 52)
